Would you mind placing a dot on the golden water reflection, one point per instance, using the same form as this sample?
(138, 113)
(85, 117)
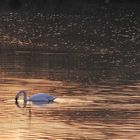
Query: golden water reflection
(104, 111)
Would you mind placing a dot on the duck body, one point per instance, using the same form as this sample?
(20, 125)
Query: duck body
(42, 97)
(38, 97)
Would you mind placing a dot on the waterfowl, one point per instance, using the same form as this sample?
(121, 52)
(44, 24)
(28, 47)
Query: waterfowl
(38, 97)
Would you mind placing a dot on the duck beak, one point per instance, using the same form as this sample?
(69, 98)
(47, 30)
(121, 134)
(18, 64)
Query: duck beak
(16, 98)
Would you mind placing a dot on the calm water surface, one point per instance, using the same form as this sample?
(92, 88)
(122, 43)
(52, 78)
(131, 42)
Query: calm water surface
(97, 100)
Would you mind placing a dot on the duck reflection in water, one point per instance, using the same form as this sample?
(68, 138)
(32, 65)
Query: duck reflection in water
(39, 99)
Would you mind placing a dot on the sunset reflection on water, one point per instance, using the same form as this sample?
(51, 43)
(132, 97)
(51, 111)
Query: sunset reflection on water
(83, 110)
(48, 121)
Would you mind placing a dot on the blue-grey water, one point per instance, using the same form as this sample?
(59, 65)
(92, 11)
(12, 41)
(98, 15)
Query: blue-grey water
(95, 101)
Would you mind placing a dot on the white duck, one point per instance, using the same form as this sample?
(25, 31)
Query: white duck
(39, 97)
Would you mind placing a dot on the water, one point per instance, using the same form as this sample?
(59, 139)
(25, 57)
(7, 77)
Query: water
(96, 100)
